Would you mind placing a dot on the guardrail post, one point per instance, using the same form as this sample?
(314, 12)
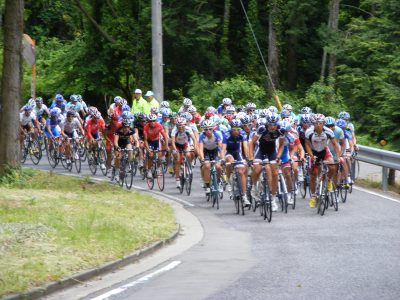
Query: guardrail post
(384, 179)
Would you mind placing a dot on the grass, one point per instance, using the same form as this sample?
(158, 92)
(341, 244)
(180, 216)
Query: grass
(369, 183)
(53, 226)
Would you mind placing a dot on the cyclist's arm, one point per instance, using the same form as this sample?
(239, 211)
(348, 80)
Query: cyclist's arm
(300, 150)
(165, 136)
(116, 139)
(201, 151)
(245, 145)
(223, 150)
(280, 148)
(342, 146)
(195, 143)
(337, 150)
(251, 146)
(308, 148)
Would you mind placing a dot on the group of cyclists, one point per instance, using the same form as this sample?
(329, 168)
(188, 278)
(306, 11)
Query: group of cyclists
(231, 136)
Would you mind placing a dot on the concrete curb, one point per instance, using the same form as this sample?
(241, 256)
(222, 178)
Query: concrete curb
(86, 275)
(94, 272)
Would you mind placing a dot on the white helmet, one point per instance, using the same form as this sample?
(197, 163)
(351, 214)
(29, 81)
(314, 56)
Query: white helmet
(187, 102)
(227, 101)
(288, 107)
(273, 109)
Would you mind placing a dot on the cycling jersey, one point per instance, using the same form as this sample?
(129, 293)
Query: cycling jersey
(153, 133)
(267, 140)
(212, 142)
(339, 135)
(288, 140)
(319, 141)
(75, 107)
(40, 111)
(139, 125)
(182, 138)
(70, 127)
(54, 127)
(27, 119)
(92, 128)
(233, 145)
(124, 137)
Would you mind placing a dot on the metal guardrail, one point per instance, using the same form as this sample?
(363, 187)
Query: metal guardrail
(386, 159)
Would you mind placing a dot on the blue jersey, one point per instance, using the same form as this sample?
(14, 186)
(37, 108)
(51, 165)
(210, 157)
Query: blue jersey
(212, 142)
(220, 109)
(233, 143)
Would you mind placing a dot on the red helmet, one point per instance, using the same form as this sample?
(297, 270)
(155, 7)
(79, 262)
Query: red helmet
(229, 117)
(208, 115)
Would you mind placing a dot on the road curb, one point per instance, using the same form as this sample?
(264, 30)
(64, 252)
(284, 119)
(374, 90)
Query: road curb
(86, 275)
(80, 277)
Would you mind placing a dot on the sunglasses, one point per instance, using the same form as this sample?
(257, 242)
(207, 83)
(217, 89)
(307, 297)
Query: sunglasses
(208, 129)
(272, 124)
(247, 125)
(330, 126)
(180, 126)
(236, 129)
(152, 121)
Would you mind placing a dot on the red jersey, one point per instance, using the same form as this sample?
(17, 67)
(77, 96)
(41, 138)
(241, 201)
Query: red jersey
(196, 117)
(153, 134)
(111, 128)
(92, 127)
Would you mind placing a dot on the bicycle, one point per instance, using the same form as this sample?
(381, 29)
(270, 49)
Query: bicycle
(97, 156)
(125, 170)
(74, 157)
(215, 186)
(342, 187)
(282, 191)
(155, 170)
(185, 173)
(265, 204)
(32, 147)
(237, 193)
(325, 197)
(303, 181)
(53, 151)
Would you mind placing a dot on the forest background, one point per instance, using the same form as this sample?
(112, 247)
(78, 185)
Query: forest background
(329, 55)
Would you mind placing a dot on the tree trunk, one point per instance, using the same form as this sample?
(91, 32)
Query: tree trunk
(325, 52)
(392, 177)
(273, 56)
(334, 29)
(11, 85)
(292, 62)
(225, 56)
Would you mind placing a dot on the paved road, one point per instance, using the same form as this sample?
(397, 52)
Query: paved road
(350, 254)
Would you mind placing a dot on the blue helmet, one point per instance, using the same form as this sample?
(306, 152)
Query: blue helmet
(54, 112)
(285, 113)
(126, 107)
(306, 118)
(236, 123)
(165, 112)
(329, 121)
(341, 123)
(245, 120)
(306, 110)
(284, 127)
(272, 117)
(59, 97)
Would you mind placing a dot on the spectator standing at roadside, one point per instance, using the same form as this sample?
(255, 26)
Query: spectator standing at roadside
(150, 102)
(138, 103)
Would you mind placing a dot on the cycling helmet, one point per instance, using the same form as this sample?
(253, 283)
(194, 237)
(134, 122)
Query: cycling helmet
(250, 106)
(329, 121)
(318, 118)
(227, 101)
(208, 124)
(273, 109)
(187, 102)
(284, 127)
(152, 117)
(165, 112)
(288, 107)
(154, 110)
(54, 112)
(192, 109)
(245, 120)
(126, 115)
(208, 115)
(211, 109)
(285, 113)
(92, 110)
(71, 113)
(272, 117)
(164, 104)
(230, 109)
(73, 98)
(217, 120)
(27, 108)
(181, 121)
(126, 123)
(39, 100)
(141, 116)
(118, 100)
(261, 122)
(59, 97)
(235, 123)
(306, 118)
(97, 115)
(306, 110)
(263, 113)
(240, 115)
(341, 123)
(79, 97)
(126, 107)
(344, 115)
(240, 108)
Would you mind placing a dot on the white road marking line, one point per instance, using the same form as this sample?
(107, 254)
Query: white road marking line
(140, 280)
(375, 194)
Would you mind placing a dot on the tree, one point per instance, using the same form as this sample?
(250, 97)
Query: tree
(11, 85)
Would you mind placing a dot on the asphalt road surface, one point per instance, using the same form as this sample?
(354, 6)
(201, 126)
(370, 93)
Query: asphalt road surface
(353, 253)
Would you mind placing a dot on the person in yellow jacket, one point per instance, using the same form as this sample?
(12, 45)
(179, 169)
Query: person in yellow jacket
(150, 102)
(138, 102)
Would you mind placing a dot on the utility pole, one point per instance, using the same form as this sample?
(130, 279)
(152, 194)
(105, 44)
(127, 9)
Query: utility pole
(157, 50)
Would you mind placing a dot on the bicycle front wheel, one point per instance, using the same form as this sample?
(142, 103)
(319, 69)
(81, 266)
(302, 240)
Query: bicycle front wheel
(189, 177)
(129, 175)
(36, 152)
(160, 179)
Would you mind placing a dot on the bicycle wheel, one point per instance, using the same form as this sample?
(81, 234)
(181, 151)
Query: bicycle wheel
(267, 206)
(35, 152)
(23, 154)
(334, 201)
(102, 158)
(76, 159)
(52, 155)
(215, 199)
(129, 175)
(91, 162)
(160, 179)
(134, 166)
(150, 181)
(235, 197)
(182, 180)
(189, 177)
(82, 152)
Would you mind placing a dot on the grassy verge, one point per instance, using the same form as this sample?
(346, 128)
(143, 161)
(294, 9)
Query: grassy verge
(369, 183)
(53, 226)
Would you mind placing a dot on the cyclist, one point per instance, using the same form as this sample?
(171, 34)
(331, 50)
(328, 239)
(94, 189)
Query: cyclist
(180, 139)
(210, 142)
(69, 127)
(52, 129)
(232, 144)
(266, 137)
(138, 126)
(39, 109)
(317, 137)
(75, 106)
(83, 103)
(222, 107)
(344, 115)
(116, 107)
(27, 121)
(94, 127)
(348, 147)
(152, 133)
(60, 103)
(123, 139)
(111, 128)
(251, 108)
(185, 107)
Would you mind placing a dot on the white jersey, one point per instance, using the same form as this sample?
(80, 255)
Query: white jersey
(40, 111)
(181, 138)
(27, 119)
(319, 141)
(69, 127)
